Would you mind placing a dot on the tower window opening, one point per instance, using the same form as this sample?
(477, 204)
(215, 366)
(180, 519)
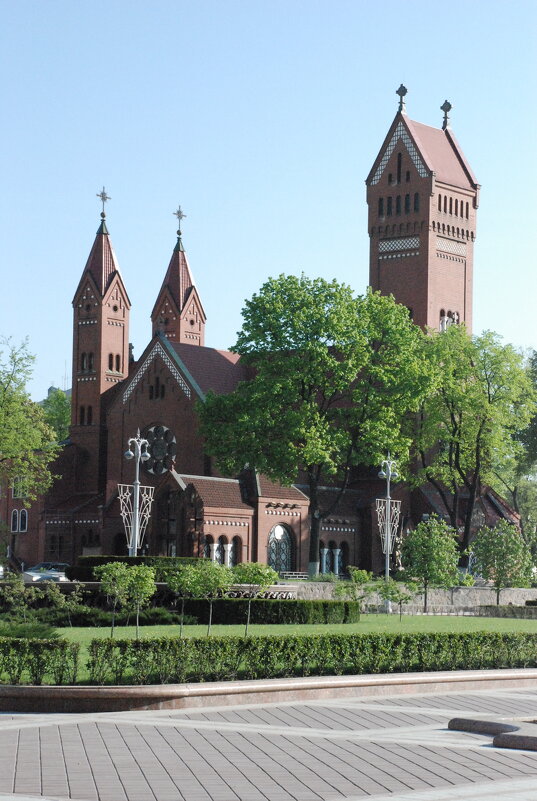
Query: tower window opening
(157, 387)
(456, 207)
(439, 202)
(90, 361)
(399, 163)
(398, 204)
(14, 520)
(110, 361)
(389, 210)
(381, 207)
(407, 176)
(83, 362)
(23, 520)
(416, 201)
(162, 390)
(451, 205)
(445, 204)
(390, 178)
(89, 416)
(151, 390)
(407, 204)
(82, 416)
(467, 207)
(118, 363)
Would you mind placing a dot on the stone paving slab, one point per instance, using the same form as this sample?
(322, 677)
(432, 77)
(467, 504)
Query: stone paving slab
(396, 748)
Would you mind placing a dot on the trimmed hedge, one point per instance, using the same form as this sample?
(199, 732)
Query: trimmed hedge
(163, 565)
(175, 660)
(234, 610)
(38, 661)
(91, 616)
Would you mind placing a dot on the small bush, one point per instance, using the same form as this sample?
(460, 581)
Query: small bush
(164, 565)
(233, 611)
(32, 630)
(38, 661)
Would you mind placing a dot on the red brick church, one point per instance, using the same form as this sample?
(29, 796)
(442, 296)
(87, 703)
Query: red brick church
(422, 198)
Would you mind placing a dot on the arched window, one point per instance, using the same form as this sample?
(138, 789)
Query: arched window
(381, 207)
(445, 204)
(451, 205)
(219, 550)
(439, 202)
(157, 387)
(399, 163)
(162, 390)
(407, 204)
(398, 204)
(110, 361)
(389, 210)
(456, 207)
(23, 520)
(118, 363)
(82, 416)
(416, 201)
(390, 178)
(207, 546)
(89, 418)
(14, 520)
(83, 362)
(90, 361)
(280, 549)
(235, 552)
(467, 207)
(407, 176)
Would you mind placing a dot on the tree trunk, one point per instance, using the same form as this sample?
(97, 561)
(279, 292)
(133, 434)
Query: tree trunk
(210, 616)
(425, 587)
(315, 528)
(498, 590)
(182, 616)
(248, 617)
(137, 621)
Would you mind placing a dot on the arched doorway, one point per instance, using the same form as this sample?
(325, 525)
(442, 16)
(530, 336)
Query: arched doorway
(280, 549)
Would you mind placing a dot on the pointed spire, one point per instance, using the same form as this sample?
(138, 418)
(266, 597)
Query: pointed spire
(402, 91)
(102, 263)
(446, 108)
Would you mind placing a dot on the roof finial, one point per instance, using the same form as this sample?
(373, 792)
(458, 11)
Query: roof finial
(446, 108)
(104, 197)
(401, 92)
(180, 216)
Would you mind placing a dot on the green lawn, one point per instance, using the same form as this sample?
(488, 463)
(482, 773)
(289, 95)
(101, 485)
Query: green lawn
(368, 623)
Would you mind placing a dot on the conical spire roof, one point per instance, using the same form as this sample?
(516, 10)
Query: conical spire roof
(102, 262)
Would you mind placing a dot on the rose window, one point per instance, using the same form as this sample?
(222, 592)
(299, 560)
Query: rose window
(162, 450)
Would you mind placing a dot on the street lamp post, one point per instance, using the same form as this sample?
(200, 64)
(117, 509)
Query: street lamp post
(388, 472)
(137, 450)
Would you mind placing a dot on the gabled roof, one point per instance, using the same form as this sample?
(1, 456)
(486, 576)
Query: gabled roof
(432, 150)
(178, 281)
(102, 263)
(270, 489)
(216, 492)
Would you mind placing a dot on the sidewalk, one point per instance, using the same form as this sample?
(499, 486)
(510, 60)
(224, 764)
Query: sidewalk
(390, 748)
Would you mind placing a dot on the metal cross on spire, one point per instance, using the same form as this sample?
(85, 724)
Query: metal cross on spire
(401, 92)
(446, 108)
(104, 197)
(180, 216)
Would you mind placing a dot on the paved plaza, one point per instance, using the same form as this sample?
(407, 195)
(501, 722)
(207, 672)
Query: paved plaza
(391, 747)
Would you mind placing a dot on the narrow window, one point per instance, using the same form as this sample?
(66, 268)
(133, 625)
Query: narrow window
(390, 178)
(162, 390)
(83, 362)
(451, 205)
(399, 163)
(82, 416)
(118, 363)
(416, 201)
(23, 520)
(456, 208)
(407, 176)
(90, 415)
(467, 211)
(110, 361)
(389, 210)
(157, 387)
(407, 204)
(381, 207)
(439, 202)
(90, 361)
(150, 391)
(14, 520)
(445, 204)
(398, 204)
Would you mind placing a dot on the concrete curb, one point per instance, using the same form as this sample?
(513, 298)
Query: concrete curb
(31, 699)
(507, 734)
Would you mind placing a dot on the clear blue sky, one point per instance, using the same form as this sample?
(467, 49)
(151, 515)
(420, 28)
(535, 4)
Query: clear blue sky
(262, 119)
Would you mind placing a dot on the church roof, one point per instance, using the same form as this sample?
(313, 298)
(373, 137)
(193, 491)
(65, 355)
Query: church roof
(178, 279)
(270, 489)
(216, 370)
(217, 492)
(102, 263)
(442, 154)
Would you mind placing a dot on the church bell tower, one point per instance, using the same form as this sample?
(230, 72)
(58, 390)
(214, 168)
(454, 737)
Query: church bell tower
(423, 198)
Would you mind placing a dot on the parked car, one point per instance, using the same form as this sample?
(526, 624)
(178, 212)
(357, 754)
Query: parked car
(45, 571)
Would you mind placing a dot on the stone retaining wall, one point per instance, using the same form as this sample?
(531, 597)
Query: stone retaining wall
(457, 596)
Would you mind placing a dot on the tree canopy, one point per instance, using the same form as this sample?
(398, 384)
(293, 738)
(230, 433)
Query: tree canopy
(500, 555)
(27, 442)
(333, 378)
(57, 408)
(430, 555)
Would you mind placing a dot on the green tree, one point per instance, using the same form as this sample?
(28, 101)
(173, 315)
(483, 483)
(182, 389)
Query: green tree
(16, 598)
(430, 556)
(396, 592)
(140, 589)
(27, 442)
(212, 580)
(333, 377)
(57, 408)
(258, 577)
(500, 555)
(114, 578)
(359, 587)
(183, 582)
(466, 426)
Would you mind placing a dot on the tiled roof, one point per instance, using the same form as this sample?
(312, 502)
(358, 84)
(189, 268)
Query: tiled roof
(102, 262)
(178, 278)
(271, 489)
(442, 154)
(217, 370)
(217, 492)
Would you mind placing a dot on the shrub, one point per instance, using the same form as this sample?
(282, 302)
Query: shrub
(169, 660)
(34, 630)
(234, 611)
(163, 565)
(37, 660)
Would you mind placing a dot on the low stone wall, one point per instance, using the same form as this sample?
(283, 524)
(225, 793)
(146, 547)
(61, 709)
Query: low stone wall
(468, 597)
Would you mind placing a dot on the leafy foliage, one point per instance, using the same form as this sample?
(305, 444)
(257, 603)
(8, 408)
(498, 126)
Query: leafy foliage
(501, 556)
(333, 378)
(258, 577)
(114, 578)
(430, 556)
(397, 593)
(140, 589)
(357, 588)
(57, 408)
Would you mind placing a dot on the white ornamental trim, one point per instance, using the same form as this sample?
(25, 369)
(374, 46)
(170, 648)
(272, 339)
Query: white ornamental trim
(451, 246)
(281, 513)
(400, 133)
(399, 243)
(158, 350)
